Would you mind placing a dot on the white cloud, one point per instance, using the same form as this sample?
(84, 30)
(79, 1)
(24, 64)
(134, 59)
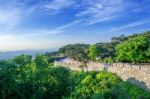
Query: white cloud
(131, 25)
(57, 30)
(97, 11)
(101, 10)
(98, 20)
(37, 33)
(15, 37)
(9, 18)
(58, 4)
(69, 25)
(12, 13)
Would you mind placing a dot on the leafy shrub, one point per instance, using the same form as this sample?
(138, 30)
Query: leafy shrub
(104, 85)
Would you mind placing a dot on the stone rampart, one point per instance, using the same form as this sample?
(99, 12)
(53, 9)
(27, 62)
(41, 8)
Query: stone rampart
(137, 74)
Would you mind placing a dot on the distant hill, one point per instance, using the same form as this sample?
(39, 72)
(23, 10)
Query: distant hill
(11, 54)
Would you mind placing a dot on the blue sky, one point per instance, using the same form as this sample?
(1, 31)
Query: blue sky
(48, 24)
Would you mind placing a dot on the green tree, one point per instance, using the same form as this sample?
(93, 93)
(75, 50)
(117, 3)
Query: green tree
(78, 52)
(106, 51)
(41, 61)
(96, 85)
(75, 51)
(133, 50)
(118, 40)
(94, 52)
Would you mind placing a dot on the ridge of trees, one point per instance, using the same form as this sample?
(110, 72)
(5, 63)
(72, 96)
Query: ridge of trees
(134, 48)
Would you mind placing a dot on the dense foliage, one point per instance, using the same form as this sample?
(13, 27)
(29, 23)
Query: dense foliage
(104, 85)
(94, 51)
(75, 51)
(134, 48)
(26, 78)
(107, 52)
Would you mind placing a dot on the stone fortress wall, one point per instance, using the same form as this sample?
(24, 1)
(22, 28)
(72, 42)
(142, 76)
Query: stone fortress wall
(136, 74)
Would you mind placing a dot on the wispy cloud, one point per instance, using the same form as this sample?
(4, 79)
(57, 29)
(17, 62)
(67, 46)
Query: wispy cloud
(58, 4)
(131, 25)
(37, 33)
(59, 29)
(98, 20)
(101, 10)
(9, 18)
(12, 12)
(91, 12)
(96, 11)
(69, 25)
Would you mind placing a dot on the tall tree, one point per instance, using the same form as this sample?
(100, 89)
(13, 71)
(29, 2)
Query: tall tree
(94, 52)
